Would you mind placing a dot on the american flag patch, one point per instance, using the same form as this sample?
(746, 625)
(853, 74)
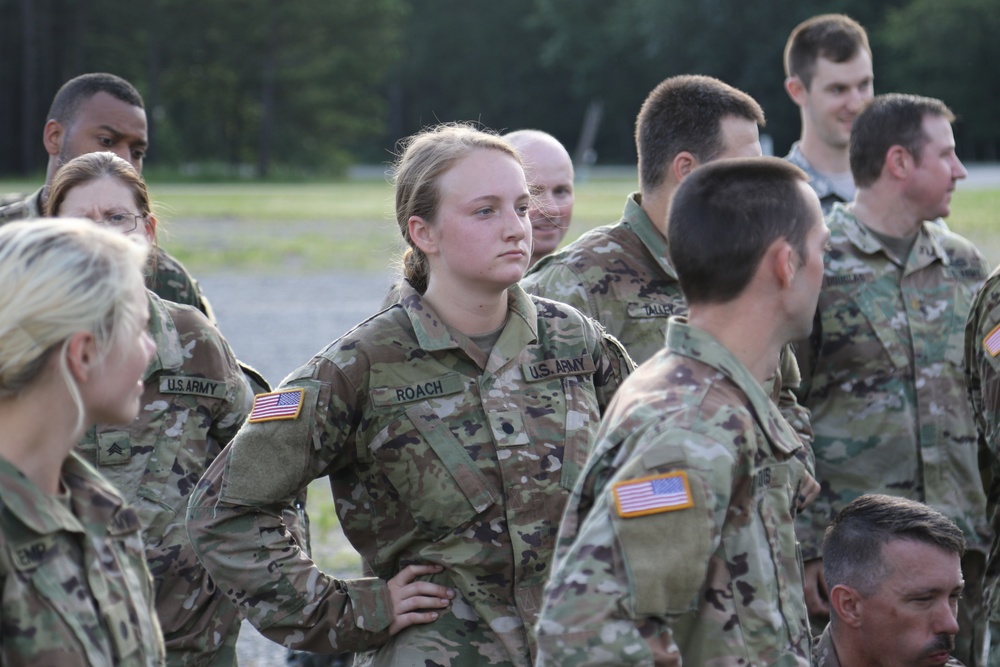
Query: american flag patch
(652, 495)
(992, 341)
(276, 405)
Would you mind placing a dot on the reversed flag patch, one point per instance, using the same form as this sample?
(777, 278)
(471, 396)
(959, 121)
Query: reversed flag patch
(652, 495)
(992, 341)
(277, 405)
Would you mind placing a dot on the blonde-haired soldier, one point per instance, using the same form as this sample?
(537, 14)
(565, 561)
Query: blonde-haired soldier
(74, 587)
(452, 426)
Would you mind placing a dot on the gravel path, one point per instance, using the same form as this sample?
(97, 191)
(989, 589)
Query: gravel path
(276, 323)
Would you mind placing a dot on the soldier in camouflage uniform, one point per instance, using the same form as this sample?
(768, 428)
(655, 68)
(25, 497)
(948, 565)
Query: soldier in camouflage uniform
(678, 545)
(102, 112)
(448, 439)
(74, 586)
(828, 74)
(194, 400)
(621, 275)
(882, 371)
(982, 369)
(894, 569)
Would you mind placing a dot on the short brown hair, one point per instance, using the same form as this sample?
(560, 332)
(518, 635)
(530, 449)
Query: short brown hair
(726, 214)
(852, 544)
(890, 120)
(684, 113)
(836, 37)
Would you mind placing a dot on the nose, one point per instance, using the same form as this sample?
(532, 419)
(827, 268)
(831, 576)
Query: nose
(516, 225)
(958, 170)
(946, 621)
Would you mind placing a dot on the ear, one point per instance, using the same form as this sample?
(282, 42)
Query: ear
(422, 234)
(796, 90)
(151, 229)
(52, 137)
(682, 165)
(785, 260)
(898, 161)
(81, 355)
(846, 603)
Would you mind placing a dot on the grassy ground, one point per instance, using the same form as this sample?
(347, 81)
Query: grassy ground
(349, 225)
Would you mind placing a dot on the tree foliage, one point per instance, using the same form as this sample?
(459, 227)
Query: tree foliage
(313, 84)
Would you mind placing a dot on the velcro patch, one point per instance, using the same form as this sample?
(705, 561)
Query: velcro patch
(992, 341)
(276, 405)
(651, 309)
(583, 365)
(418, 391)
(114, 448)
(30, 555)
(183, 384)
(652, 495)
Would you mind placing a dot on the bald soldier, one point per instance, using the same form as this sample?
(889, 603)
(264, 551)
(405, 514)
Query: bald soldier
(678, 544)
(549, 170)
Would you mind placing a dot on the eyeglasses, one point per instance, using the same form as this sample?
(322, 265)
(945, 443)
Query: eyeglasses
(123, 222)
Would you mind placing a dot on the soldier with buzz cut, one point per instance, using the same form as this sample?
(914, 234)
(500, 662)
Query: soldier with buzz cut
(883, 368)
(622, 274)
(103, 112)
(678, 546)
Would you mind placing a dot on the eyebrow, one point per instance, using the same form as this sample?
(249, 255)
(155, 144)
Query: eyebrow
(118, 135)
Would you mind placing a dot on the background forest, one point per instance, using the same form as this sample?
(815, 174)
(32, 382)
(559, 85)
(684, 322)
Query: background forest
(263, 88)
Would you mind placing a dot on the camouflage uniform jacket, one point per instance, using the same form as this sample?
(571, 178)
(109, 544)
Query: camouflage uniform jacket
(883, 377)
(170, 280)
(75, 587)
(621, 276)
(195, 399)
(823, 187)
(678, 543)
(982, 370)
(825, 654)
(436, 455)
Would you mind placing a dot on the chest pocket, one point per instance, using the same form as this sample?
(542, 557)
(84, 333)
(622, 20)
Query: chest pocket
(563, 388)
(97, 610)
(431, 472)
(879, 315)
(769, 589)
(157, 460)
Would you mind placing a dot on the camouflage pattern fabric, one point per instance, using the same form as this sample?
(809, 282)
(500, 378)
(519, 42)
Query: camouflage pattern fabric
(702, 573)
(436, 454)
(982, 368)
(821, 185)
(195, 400)
(825, 655)
(883, 376)
(75, 587)
(622, 277)
(168, 278)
